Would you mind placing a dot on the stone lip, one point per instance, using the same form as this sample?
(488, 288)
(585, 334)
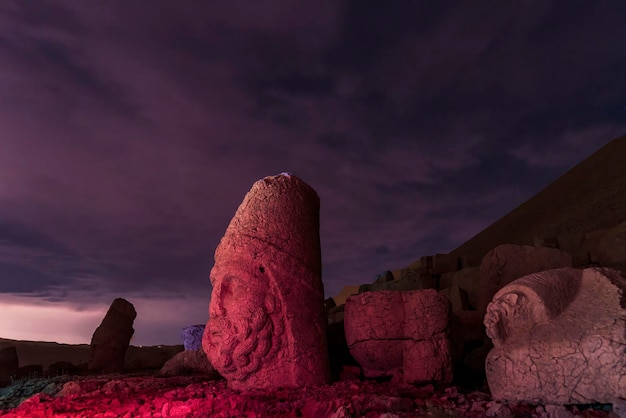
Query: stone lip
(195, 396)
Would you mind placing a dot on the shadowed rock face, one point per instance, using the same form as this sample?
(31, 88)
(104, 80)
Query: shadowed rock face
(111, 339)
(559, 337)
(267, 322)
(8, 363)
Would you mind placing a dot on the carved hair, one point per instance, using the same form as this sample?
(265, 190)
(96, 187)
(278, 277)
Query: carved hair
(258, 341)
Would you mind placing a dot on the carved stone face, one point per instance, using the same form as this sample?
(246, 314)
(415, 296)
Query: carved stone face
(241, 333)
(266, 325)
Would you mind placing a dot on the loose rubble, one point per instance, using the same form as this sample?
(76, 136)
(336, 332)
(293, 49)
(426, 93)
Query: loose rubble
(195, 396)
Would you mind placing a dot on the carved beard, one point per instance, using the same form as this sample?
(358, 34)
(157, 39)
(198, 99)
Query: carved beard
(245, 344)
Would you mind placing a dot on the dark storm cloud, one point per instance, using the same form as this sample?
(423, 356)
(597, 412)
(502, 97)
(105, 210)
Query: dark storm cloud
(505, 70)
(41, 44)
(131, 134)
(32, 262)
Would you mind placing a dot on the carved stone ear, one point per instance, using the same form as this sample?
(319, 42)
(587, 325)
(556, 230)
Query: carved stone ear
(272, 304)
(509, 316)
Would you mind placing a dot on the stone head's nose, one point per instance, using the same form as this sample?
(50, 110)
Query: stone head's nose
(216, 307)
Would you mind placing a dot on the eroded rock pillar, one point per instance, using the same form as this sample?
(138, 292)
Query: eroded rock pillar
(110, 341)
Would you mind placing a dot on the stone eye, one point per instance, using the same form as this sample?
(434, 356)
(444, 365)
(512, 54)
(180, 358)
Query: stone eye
(262, 269)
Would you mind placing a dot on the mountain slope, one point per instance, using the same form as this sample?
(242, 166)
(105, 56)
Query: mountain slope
(590, 196)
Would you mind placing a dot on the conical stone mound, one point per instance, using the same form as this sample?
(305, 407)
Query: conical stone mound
(589, 197)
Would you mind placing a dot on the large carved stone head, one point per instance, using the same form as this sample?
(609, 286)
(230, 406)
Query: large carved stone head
(266, 323)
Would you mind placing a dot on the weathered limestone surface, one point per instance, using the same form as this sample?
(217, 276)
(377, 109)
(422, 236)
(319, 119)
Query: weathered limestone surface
(111, 339)
(559, 337)
(604, 247)
(267, 327)
(457, 297)
(574, 245)
(192, 337)
(468, 280)
(374, 328)
(400, 333)
(609, 247)
(507, 262)
(9, 363)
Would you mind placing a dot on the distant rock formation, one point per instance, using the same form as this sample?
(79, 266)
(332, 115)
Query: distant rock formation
(61, 368)
(345, 292)
(111, 339)
(9, 363)
(267, 327)
(30, 371)
(149, 357)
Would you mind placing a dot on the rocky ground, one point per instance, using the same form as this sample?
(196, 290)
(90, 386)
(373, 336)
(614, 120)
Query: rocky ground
(195, 396)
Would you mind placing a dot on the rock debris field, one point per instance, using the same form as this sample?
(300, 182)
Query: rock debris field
(529, 331)
(195, 396)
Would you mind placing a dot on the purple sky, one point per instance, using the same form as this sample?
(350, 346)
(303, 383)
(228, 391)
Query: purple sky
(131, 131)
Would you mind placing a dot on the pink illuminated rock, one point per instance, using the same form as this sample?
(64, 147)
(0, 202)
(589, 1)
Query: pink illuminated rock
(267, 323)
(195, 396)
(110, 340)
(374, 327)
(559, 337)
(392, 332)
(506, 263)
